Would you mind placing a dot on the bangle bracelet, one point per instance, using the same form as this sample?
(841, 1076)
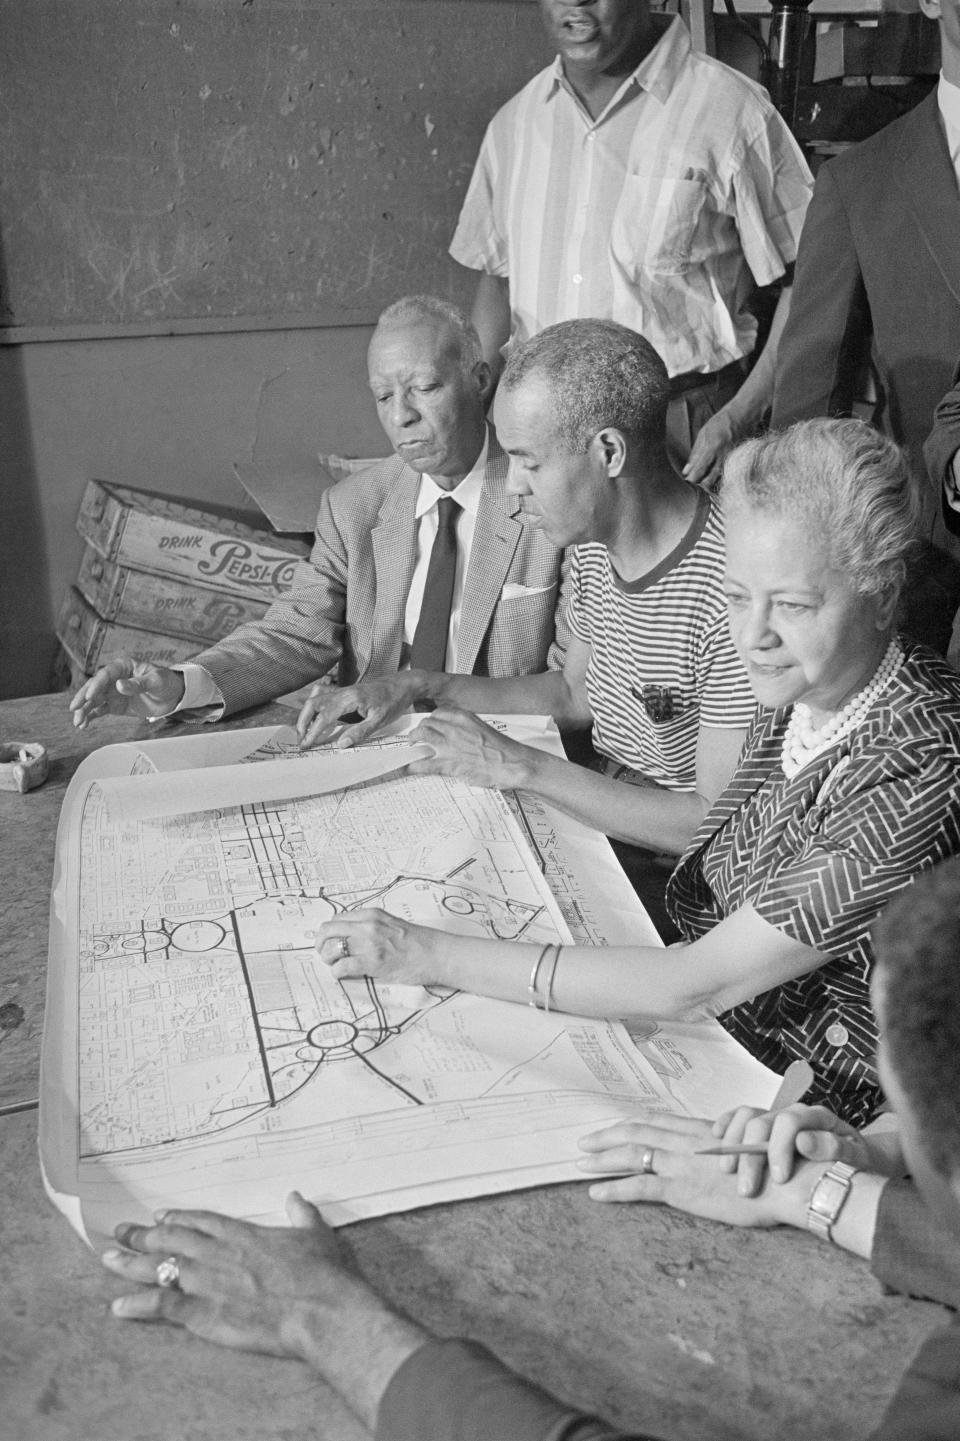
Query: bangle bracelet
(550, 978)
(532, 984)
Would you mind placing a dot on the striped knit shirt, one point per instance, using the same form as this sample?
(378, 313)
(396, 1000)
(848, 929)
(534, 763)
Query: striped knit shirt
(660, 214)
(666, 632)
(818, 857)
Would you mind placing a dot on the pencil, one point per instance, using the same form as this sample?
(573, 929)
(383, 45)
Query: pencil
(796, 1080)
(758, 1148)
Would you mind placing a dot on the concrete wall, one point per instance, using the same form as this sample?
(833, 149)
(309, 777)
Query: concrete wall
(170, 414)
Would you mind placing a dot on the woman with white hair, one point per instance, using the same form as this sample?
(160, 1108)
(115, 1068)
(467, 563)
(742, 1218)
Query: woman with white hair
(848, 786)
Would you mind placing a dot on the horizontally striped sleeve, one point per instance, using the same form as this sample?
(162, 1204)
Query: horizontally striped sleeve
(578, 610)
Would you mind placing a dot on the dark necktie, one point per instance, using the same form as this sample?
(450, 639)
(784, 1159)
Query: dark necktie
(429, 648)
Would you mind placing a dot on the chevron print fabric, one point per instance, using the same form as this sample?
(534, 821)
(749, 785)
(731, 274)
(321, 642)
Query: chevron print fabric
(819, 856)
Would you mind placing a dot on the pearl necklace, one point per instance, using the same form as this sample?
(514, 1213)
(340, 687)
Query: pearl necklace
(803, 741)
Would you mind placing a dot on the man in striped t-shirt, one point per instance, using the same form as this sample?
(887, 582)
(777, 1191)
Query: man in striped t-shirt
(650, 665)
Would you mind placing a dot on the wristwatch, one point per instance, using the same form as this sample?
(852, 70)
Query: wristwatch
(828, 1197)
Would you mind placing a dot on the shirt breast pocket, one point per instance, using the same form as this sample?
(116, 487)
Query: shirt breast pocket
(656, 221)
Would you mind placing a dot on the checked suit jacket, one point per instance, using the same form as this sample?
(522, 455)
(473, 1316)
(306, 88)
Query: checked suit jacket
(344, 613)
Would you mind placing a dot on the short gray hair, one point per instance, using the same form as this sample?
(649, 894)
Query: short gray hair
(599, 374)
(844, 478)
(410, 309)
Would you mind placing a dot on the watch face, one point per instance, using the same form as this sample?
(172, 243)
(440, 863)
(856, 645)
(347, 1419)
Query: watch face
(828, 1195)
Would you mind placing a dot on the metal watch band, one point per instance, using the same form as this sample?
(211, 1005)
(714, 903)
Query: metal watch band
(828, 1197)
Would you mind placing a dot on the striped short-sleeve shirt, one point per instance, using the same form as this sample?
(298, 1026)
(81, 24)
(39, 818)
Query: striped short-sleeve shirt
(662, 663)
(661, 214)
(818, 856)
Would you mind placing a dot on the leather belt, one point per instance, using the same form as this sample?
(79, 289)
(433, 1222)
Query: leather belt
(694, 379)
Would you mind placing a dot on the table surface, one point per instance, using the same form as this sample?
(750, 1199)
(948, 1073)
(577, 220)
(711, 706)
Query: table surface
(690, 1329)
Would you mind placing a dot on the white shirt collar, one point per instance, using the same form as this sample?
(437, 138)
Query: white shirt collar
(467, 493)
(948, 101)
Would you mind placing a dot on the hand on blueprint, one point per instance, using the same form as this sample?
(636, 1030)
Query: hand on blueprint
(803, 1133)
(127, 686)
(468, 748)
(284, 1291)
(370, 706)
(659, 1156)
(369, 942)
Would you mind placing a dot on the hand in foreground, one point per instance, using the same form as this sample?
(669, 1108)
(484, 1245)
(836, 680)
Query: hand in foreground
(370, 942)
(660, 1155)
(284, 1291)
(802, 1133)
(127, 686)
(376, 703)
(712, 442)
(467, 747)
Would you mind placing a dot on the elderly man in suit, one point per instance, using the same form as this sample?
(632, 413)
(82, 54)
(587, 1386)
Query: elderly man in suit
(422, 558)
(879, 262)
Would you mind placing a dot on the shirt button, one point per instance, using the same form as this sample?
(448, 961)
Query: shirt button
(578, 279)
(837, 1035)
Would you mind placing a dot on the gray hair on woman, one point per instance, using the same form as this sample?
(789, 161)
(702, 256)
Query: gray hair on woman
(845, 479)
(600, 374)
(410, 309)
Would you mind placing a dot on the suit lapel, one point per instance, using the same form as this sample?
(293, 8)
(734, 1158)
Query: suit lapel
(929, 180)
(496, 536)
(394, 541)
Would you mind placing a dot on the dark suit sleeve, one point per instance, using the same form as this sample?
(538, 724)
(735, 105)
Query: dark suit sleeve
(911, 1252)
(927, 1404)
(826, 338)
(459, 1391)
(298, 639)
(942, 445)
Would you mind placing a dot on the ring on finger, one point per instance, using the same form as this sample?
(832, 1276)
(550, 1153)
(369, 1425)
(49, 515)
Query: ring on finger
(168, 1274)
(646, 1163)
(343, 947)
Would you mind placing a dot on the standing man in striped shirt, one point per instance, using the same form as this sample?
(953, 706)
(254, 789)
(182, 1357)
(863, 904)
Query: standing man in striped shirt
(637, 180)
(650, 664)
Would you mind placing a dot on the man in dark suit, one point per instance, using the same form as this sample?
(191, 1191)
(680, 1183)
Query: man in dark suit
(879, 262)
(354, 607)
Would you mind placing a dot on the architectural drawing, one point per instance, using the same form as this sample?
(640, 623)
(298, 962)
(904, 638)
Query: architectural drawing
(197, 1052)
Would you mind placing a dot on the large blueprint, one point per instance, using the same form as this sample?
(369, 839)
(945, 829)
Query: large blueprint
(197, 1053)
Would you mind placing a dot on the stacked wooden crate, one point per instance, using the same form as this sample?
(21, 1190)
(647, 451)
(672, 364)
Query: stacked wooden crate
(160, 580)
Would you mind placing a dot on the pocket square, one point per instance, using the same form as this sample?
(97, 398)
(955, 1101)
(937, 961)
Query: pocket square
(513, 591)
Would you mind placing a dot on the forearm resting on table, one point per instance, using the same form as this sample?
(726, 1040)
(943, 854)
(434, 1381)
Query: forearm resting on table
(549, 693)
(646, 816)
(358, 1348)
(739, 958)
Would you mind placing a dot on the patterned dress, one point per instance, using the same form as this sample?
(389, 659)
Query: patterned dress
(818, 857)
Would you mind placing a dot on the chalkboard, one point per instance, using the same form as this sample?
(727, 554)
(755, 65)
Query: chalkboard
(179, 164)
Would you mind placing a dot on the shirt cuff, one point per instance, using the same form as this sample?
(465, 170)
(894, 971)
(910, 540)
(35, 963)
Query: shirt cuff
(200, 691)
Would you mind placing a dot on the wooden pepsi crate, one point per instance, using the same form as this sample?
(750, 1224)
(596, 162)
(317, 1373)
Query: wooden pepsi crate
(162, 603)
(90, 641)
(160, 536)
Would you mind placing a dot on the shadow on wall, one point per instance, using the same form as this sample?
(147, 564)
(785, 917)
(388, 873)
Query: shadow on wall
(27, 644)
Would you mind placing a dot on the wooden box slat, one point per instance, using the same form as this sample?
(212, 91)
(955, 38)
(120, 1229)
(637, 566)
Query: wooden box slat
(162, 603)
(163, 537)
